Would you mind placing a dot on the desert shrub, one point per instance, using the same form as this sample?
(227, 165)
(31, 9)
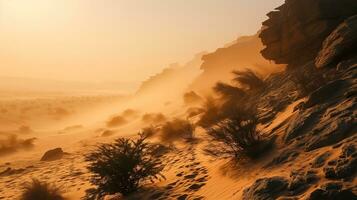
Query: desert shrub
(107, 133)
(177, 129)
(306, 78)
(130, 113)
(248, 79)
(239, 136)
(149, 131)
(25, 129)
(191, 98)
(228, 91)
(11, 143)
(122, 167)
(116, 121)
(211, 113)
(37, 190)
(153, 118)
(193, 112)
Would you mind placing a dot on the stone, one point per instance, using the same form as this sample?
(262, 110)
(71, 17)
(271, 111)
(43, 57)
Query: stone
(53, 154)
(116, 196)
(345, 166)
(332, 186)
(284, 157)
(332, 133)
(320, 160)
(325, 93)
(319, 194)
(341, 41)
(300, 181)
(266, 189)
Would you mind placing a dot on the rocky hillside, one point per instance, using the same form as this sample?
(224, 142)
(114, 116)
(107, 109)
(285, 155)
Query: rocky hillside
(173, 78)
(317, 144)
(239, 55)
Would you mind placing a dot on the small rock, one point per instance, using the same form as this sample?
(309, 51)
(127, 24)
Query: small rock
(320, 194)
(53, 154)
(182, 197)
(332, 186)
(196, 186)
(284, 157)
(116, 196)
(266, 189)
(320, 160)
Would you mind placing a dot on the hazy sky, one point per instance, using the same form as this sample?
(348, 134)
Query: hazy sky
(117, 40)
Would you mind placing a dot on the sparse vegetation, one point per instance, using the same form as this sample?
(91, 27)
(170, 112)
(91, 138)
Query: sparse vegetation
(194, 111)
(228, 91)
(248, 79)
(131, 113)
(116, 121)
(153, 118)
(239, 136)
(37, 190)
(211, 113)
(123, 166)
(230, 97)
(149, 131)
(191, 98)
(177, 129)
(11, 143)
(307, 79)
(232, 121)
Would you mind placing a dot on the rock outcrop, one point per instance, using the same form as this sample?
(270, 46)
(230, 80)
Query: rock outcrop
(318, 41)
(295, 31)
(53, 154)
(266, 189)
(239, 55)
(339, 43)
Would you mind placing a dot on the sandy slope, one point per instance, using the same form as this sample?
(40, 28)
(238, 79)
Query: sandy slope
(189, 171)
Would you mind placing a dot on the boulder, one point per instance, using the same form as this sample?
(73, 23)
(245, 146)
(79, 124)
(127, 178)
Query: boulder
(266, 189)
(333, 194)
(342, 41)
(320, 160)
(345, 166)
(53, 154)
(300, 181)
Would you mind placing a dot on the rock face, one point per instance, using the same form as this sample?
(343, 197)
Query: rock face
(345, 166)
(340, 42)
(266, 189)
(332, 190)
(53, 154)
(239, 55)
(294, 32)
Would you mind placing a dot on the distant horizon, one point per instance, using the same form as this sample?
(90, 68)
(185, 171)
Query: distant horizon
(91, 41)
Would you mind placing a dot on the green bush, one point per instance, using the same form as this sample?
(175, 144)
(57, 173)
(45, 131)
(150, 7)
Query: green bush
(123, 166)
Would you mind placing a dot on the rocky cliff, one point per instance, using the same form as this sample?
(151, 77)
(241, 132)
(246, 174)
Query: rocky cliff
(238, 55)
(318, 35)
(295, 31)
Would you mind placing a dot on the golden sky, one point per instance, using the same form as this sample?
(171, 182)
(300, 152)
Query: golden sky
(117, 40)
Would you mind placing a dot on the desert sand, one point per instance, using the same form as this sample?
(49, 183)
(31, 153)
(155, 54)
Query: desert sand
(303, 106)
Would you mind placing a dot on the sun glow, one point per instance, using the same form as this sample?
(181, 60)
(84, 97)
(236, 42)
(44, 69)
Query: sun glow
(36, 14)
